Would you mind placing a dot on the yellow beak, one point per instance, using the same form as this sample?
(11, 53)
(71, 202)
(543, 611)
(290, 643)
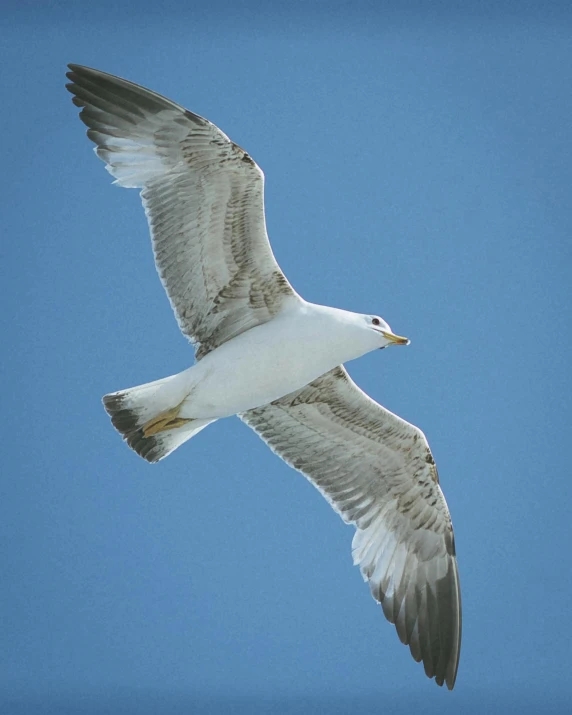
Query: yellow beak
(395, 339)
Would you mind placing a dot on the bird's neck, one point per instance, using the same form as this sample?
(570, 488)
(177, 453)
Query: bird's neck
(340, 331)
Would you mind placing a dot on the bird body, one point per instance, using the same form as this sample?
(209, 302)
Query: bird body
(274, 359)
(267, 355)
(257, 367)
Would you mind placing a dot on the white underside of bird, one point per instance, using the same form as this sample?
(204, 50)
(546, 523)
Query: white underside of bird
(268, 362)
(255, 368)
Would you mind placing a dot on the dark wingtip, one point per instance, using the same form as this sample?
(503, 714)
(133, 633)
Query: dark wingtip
(82, 69)
(75, 71)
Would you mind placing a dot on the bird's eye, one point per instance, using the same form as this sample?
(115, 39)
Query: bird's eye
(375, 321)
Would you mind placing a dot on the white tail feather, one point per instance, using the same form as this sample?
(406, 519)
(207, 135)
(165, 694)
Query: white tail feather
(143, 415)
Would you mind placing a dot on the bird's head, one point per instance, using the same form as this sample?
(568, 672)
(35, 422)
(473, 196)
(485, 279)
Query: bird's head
(385, 336)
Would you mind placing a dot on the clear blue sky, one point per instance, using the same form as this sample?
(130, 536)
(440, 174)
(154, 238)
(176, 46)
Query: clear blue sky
(418, 166)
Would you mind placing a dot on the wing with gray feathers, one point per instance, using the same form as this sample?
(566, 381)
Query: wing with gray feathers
(377, 472)
(204, 200)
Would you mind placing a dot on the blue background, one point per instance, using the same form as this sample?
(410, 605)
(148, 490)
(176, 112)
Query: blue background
(418, 166)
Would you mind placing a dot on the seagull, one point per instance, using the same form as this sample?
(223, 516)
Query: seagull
(272, 358)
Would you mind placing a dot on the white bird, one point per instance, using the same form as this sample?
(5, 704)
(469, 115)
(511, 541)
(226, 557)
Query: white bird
(272, 358)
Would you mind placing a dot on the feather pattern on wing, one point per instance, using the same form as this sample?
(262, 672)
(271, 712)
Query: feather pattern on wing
(204, 200)
(377, 472)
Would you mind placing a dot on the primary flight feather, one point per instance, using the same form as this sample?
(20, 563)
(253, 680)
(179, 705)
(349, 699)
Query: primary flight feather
(275, 360)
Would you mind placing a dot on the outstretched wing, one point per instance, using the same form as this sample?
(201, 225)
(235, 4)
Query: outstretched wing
(204, 200)
(377, 472)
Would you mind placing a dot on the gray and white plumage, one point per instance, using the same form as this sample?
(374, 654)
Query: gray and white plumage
(377, 472)
(204, 200)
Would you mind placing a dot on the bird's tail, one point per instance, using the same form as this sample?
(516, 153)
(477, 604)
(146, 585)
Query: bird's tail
(147, 417)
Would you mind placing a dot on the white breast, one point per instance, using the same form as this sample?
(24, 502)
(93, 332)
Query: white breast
(270, 361)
